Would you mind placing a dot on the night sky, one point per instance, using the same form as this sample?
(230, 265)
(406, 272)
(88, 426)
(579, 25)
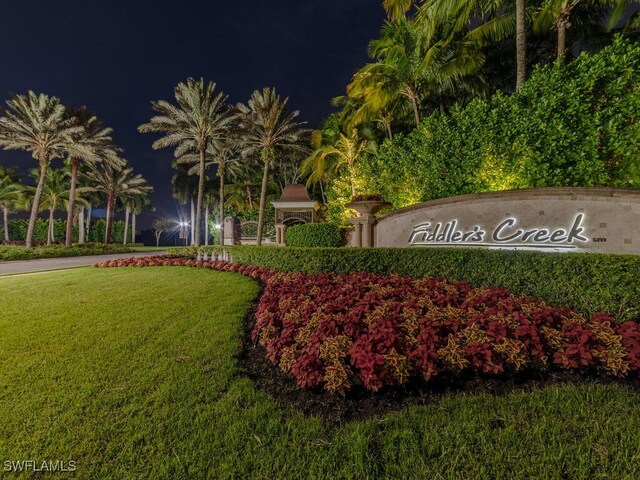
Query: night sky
(117, 56)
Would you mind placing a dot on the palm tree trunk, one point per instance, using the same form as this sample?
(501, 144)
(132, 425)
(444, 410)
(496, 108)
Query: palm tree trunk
(81, 226)
(562, 39)
(36, 200)
(126, 225)
(6, 222)
(72, 199)
(416, 111)
(250, 197)
(133, 227)
(88, 226)
(111, 206)
(50, 238)
(389, 132)
(521, 44)
(206, 224)
(221, 220)
(193, 220)
(198, 220)
(263, 199)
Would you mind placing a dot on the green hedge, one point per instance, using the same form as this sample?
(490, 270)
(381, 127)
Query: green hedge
(585, 281)
(18, 230)
(314, 235)
(10, 252)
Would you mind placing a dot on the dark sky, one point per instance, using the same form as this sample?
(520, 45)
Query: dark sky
(116, 56)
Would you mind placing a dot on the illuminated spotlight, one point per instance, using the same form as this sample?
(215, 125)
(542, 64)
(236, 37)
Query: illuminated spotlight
(217, 226)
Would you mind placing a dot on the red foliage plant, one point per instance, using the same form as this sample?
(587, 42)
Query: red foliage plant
(338, 330)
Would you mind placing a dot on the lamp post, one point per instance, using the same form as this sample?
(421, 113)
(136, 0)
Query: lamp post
(184, 231)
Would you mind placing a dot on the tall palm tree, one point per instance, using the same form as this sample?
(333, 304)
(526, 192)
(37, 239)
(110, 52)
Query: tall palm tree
(39, 125)
(55, 194)
(99, 147)
(115, 182)
(492, 19)
(267, 126)
(412, 62)
(332, 158)
(133, 201)
(223, 153)
(185, 189)
(199, 119)
(10, 192)
(138, 202)
(556, 15)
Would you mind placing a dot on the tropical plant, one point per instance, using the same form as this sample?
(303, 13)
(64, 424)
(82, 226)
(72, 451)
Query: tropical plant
(133, 203)
(268, 127)
(55, 194)
(39, 125)
(10, 192)
(185, 189)
(225, 154)
(115, 182)
(98, 147)
(199, 120)
(414, 61)
(334, 158)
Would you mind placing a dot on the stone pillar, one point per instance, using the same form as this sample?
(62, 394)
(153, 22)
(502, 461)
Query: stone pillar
(280, 234)
(230, 231)
(363, 232)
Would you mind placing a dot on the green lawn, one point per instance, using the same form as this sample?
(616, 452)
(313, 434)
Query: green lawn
(131, 373)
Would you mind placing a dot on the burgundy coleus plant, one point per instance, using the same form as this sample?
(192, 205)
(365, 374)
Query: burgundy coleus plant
(335, 330)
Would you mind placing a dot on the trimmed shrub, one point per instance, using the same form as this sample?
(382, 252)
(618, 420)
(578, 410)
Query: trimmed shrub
(314, 235)
(12, 252)
(337, 330)
(588, 282)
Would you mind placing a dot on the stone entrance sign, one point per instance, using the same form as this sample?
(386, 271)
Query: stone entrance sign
(549, 219)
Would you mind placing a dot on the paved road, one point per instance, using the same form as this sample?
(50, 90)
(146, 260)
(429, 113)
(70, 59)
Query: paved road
(44, 264)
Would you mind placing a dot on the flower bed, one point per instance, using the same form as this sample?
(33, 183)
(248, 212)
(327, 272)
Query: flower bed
(338, 330)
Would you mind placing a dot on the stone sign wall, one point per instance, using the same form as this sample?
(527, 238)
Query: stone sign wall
(549, 219)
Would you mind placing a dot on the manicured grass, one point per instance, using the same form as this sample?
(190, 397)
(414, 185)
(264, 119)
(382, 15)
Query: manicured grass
(132, 374)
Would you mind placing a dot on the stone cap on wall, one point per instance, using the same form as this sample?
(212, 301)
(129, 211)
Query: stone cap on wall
(568, 193)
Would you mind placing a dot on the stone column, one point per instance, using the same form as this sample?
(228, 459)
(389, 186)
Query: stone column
(229, 231)
(280, 234)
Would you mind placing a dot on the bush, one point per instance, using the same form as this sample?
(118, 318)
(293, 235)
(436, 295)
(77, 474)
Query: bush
(55, 251)
(576, 125)
(337, 330)
(588, 282)
(314, 235)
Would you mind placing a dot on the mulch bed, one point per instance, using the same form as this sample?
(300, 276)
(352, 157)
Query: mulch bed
(361, 404)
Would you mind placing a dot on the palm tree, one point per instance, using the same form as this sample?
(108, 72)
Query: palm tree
(185, 188)
(225, 154)
(494, 19)
(39, 125)
(556, 14)
(10, 192)
(115, 182)
(100, 148)
(332, 158)
(413, 62)
(136, 205)
(199, 120)
(267, 127)
(133, 202)
(55, 194)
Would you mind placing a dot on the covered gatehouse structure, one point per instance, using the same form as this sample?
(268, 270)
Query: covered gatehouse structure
(294, 207)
